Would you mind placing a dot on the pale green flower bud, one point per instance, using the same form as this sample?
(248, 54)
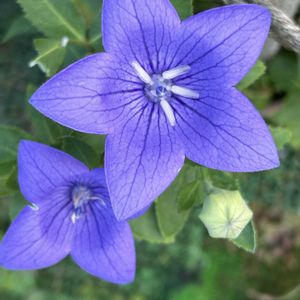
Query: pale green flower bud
(225, 214)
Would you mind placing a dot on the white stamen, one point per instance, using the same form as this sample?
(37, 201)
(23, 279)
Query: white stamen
(173, 73)
(168, 112)
(142, 74)
(184, 92)
(74, 218)
(34, 207)
(101, 201)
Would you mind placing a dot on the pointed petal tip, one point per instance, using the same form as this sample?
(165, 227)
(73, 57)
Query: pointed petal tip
(122, 279)
(275, 162)
(123, 215)
(32, 101)
(36, 104)
(24, 245)
(129, 280)
(24, 145)
(109, 243)
(272, 164)
(256, 7)
(126, 279)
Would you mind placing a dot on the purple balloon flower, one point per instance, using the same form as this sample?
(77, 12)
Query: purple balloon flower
(162, 91)
(71, 214)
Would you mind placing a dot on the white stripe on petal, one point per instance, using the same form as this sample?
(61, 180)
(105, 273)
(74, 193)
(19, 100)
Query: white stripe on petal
(173, 73)
(184, 92)
(168, 112)
(141, 73)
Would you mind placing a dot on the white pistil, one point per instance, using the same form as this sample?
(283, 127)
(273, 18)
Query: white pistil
(142, 74)
(173, 73)
(184, 92)
(168, 111)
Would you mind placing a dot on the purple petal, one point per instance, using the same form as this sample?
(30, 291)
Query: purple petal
(93, 95)
(220, 45)
(39, 238)
(95, 179)
(139, 30)
(223, 130)
(141, 161)
(42, 169)
(103, 246)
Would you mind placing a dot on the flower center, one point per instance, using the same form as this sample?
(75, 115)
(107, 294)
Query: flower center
(159, 88)
(81, 195)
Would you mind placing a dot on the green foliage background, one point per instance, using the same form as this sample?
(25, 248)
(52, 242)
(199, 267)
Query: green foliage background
(176, 258)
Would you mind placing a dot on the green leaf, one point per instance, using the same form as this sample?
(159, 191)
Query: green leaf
(12, 181)
(183, 7)
(6, 168)
(16, 204)
(44, 129)
(89, 9)
(281, 136)
(222, 180)
(170, 219)
(146, 228)
(189, 194)
(254, 74)
(288, 117)
(20, 26)
(91, 12)
(96, 141)
(6, 171)
(81, 151)
(15, 283)
(4, 190)
(283, 71)
(51, 54)
(190, 292)
(9, 141)
(55, 18)
(247, 238)
(201, 5)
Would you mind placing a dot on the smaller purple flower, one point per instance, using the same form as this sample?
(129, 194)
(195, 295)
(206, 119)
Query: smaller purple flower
(70, 214)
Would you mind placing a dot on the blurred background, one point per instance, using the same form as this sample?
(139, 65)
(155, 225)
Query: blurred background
(194, 267)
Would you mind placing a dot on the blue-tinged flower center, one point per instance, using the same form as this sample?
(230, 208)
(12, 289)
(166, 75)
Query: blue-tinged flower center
(81, 195)
(159, 89)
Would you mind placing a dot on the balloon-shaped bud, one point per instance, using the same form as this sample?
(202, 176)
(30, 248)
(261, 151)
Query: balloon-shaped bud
(225, 214)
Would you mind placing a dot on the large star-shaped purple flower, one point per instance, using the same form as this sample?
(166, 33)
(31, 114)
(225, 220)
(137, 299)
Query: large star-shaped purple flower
(162, 91)
(71, 214)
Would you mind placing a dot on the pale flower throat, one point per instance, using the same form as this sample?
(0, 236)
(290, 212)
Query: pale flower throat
(159, 88)
(81, 195)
